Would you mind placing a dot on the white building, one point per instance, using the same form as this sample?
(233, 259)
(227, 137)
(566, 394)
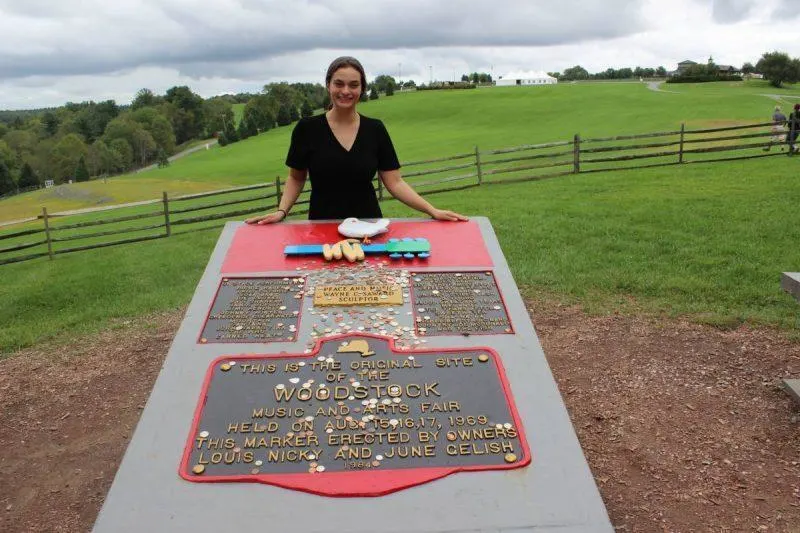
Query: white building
(526, 78)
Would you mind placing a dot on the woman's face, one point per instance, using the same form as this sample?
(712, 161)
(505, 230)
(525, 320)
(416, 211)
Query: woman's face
(345, 87)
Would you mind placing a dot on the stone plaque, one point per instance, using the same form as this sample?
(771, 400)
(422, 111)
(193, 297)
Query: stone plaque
(458, 303)
(358, 295)
(354, 418)
(255, 310)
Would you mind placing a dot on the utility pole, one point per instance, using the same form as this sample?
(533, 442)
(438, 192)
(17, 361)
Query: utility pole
(430, 70)
(399, 73)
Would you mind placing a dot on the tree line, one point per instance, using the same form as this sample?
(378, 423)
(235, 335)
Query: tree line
(579, 73)
(80, 140)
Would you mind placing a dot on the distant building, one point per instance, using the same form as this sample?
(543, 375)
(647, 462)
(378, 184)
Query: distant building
(526, 78)
(728, 69)
(685, 64)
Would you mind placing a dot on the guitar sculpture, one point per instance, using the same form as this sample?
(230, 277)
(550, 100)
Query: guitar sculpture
(353, 250)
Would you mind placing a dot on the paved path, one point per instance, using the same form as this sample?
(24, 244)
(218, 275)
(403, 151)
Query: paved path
(204, 146)
(656, 86)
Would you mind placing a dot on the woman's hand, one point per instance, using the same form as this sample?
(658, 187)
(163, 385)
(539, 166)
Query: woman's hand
(441, 214)
(271, 218)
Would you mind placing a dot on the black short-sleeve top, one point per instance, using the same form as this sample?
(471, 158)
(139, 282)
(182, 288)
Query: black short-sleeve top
(341, 180)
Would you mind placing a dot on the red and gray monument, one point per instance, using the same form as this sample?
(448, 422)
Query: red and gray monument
(399, 395)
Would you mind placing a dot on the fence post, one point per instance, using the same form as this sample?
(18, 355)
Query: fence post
(576, 153)
(277, 192)
(166, 214)
(47, 232)
(680, 149)
(478, 164)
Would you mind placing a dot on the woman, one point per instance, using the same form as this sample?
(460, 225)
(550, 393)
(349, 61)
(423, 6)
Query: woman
(340, 151)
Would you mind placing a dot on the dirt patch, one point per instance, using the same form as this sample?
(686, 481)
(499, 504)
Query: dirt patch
(685, 426)
(67, 413)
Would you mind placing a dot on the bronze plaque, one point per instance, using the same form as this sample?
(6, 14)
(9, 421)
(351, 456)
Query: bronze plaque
(255, 310)
(341, 295)
(354, 405)
(458, 303)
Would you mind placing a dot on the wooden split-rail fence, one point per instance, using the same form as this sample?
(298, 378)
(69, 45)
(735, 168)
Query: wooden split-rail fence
(51, 235)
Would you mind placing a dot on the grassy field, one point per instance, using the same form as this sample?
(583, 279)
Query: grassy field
(703, 241)
(439, 123)
(707, 242)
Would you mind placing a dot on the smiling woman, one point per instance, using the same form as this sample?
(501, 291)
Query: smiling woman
(340, 151)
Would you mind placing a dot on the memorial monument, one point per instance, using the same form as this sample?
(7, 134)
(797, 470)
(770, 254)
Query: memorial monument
(397, 387)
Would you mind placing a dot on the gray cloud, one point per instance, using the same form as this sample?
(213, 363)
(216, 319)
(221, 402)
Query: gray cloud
(94, 37)
(731, 11)
(786, 10)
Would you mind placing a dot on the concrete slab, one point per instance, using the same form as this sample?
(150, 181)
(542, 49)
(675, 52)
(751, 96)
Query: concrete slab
(790, 282)
(792, 386)
(556, 492)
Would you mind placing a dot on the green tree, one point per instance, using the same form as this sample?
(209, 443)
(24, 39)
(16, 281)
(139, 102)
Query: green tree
(81, 172)
(51, 122)
(748, 68)
(158, 126)
(284, 115)
(162, 159)
(21, 142)
(778, 68)
(28, 178)
(259, 115)
(7, 155)
(464, 77)
(383, 82)
(123, 154)
(144, 98)
(575, 73)
(661, 72)
(218, 112)
(306, 110)
(185, 113)
(373, 94)
(364, 96)
(7, 184)
(101, 159)
(390, 90)
(141, 141)
(65, 156)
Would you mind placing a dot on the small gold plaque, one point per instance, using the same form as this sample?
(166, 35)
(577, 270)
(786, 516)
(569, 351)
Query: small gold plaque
(358, 295)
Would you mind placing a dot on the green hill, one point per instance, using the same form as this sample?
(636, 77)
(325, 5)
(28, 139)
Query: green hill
(707, 242)
(429, 124)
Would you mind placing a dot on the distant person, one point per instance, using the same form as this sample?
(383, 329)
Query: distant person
(778, 132)
(794, 129)
(340, 151)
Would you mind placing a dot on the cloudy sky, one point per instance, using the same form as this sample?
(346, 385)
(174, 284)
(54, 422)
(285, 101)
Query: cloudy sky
(54, 51)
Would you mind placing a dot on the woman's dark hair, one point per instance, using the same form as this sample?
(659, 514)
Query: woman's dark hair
(346, 61)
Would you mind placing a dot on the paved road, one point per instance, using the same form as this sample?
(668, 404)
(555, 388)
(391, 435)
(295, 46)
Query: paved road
(184, 153)
(656, 86)
(204, 146)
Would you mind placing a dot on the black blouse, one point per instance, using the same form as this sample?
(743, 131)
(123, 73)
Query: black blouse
(341, 180)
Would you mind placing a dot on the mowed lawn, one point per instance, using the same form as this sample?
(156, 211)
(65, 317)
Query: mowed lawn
(431, 124)
(707, 242)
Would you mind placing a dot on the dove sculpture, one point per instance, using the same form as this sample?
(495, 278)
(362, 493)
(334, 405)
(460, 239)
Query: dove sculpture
(360, 229)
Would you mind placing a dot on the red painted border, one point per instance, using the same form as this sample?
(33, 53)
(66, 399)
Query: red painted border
(214, 300)
(453, 333)
(362, 483)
